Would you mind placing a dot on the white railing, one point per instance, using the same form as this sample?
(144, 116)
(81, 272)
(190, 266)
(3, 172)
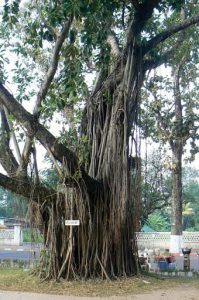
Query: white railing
(162, 240)
(6, 234)
(191, 237)
(11, 236)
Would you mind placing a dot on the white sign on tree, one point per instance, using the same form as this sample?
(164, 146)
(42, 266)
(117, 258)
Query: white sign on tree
(72, 222)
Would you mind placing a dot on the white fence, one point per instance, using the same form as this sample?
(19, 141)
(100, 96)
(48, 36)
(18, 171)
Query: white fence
(11, 236)
(162, 240)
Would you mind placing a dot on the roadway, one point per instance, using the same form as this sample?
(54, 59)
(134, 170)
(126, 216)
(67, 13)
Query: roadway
(180, 292)
(18, 255)
(26, 252)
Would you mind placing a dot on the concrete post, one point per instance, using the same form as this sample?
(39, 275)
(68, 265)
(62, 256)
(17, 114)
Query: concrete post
(2, 222)
(18, 238)
(176, 244)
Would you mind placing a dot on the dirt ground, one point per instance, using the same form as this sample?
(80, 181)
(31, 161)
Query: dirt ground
(183, 292)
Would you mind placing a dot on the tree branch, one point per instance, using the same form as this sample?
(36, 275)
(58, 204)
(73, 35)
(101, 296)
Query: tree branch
(162, 125)
(58, 150)
(149, 64)
(143, 13)
(145, 10)
(22, 169)
(34, 128)
(35, 192)
(111, 81)
(112, 41)
(53, 65)
(135, 4)
(44, 89)
(168, 33)
(16, 145)
(7, 158)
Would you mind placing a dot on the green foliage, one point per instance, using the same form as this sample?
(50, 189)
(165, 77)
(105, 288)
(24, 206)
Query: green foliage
(158, 107)
(50, 177)
(69, 138)
(11, 10)
(32, 34)
(158, 222)
(22, 78)
(12, 206)
(83, 150)
(159, 100)
(157, 191)
(156, 184)
(190, 199)
(187, 210)
(30, 236)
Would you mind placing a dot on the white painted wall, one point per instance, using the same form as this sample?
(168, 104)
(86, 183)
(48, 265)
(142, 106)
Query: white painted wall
(164, 240)
(11, 236)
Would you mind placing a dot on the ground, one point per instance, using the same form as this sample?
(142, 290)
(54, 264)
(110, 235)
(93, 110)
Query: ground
(183, 292)
(15, 284)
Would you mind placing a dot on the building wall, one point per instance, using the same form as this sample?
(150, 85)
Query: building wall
(162, 240)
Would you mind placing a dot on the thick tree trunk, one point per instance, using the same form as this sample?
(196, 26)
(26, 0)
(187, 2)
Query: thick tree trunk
(176, 226)
(110, 114)
(103, 243)
(176, 242)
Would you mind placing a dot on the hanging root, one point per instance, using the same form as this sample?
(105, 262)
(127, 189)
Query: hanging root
(103, 269)
(101, 246)
(93, 249)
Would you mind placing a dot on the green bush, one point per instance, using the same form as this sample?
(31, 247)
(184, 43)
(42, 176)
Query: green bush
(158, 222)
(32, 236)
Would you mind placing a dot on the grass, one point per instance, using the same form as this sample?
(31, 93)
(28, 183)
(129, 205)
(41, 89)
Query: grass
(30, 236)
(19, 280)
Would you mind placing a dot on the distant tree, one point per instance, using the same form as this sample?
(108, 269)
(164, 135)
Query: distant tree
(158, 222)
(12, 205)
(190, 194)
(187, 212)
(157, 200)
(172, 104)
(156, 185)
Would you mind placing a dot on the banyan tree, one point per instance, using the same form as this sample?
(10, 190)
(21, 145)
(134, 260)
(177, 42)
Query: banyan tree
(52, 47)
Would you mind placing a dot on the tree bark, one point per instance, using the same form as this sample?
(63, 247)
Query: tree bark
(177, 149)
(176, 204)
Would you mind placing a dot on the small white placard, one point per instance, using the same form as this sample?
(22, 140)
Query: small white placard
(72, 222)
